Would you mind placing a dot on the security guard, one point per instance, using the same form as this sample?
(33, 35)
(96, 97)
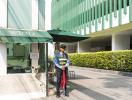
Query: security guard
(61, 62)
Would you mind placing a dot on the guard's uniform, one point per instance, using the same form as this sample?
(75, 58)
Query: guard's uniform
(59, 60)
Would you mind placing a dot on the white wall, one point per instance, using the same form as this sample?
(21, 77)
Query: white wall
(48, 14)
(3, 13)
(120, 42)
(3, 59)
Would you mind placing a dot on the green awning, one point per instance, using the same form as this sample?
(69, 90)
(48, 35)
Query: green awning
(65, 36)
(24, 36)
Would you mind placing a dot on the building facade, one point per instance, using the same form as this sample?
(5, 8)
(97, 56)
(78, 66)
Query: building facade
(108, 23)
(19, 15)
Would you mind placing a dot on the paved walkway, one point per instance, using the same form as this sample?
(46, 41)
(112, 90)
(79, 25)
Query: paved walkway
(19, 87)
(90, 85)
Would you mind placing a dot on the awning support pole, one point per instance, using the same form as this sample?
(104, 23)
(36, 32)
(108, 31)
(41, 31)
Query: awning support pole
(46, 66)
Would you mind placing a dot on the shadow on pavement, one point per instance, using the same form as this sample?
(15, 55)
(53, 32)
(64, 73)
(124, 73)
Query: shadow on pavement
(77, 77)
(129, 74)
(91, 93)
(114, 81)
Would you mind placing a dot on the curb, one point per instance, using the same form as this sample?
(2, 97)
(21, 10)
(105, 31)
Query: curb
(129, 74)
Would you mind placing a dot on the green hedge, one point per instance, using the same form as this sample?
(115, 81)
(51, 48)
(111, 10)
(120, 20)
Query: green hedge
(117, 60)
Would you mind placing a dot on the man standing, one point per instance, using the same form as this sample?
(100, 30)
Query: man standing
(61, 62)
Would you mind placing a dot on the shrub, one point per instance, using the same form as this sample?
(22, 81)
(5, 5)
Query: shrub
(110, 60)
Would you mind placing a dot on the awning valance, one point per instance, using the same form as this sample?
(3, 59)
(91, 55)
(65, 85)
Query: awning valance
(65, 36)
(24, 36)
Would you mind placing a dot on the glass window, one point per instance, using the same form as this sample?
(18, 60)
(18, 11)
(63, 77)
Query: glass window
(20, 14)
(18, 58)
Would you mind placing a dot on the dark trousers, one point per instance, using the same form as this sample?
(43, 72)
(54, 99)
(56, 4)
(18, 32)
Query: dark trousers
(59, 74)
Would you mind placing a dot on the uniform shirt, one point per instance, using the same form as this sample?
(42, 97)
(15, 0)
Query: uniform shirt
(61, 58)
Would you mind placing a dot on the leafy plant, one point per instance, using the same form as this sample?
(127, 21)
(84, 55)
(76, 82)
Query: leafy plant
(110, 60)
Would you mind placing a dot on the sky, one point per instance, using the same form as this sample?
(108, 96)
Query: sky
(48, 14)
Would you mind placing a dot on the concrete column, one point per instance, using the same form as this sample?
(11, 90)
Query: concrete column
(35, 14)
(120, 42)
(34, 60)
(78, 47)
(3, 59)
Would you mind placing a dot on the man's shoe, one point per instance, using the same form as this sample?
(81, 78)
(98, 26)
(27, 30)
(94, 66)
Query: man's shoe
(66, 94)
(58, 95)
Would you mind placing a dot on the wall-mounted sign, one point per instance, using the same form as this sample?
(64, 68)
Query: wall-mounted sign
(34, 55)
(21, 33)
